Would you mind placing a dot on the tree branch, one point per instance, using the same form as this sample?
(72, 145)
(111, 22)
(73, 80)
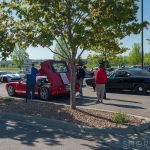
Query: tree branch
(80, 54)
(57, 53)
(61, 47)
(63, 38)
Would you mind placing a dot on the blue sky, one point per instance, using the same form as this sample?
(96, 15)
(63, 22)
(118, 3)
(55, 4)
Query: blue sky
(128, 41)
(44, 53)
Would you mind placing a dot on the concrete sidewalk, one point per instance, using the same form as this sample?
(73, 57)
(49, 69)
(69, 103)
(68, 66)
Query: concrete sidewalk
(35, 133)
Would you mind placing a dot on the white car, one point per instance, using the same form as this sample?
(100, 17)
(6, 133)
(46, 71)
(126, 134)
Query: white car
(7, 76)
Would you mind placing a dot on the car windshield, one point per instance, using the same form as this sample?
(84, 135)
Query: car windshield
(59, 67)
(140, 73)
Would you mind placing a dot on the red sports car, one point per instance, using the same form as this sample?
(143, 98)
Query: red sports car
(53, 79)
(43, 89)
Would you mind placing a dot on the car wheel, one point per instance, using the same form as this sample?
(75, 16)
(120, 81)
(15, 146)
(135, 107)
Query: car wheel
(11, 90)
(140, 89)
(44, 93)
(5, 80)
(68, 95)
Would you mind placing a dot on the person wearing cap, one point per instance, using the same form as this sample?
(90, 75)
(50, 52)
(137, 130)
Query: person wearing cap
(100, 81)
(31, 81)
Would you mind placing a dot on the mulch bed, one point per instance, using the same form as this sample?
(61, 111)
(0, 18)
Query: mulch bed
(80, 116)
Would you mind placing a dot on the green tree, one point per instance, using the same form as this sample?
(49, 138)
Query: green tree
(7, 42)
(79, 23)
(19, 55)
(147, 58)
(135, 55)
(109, 50)
(120, 60)
(94, 60)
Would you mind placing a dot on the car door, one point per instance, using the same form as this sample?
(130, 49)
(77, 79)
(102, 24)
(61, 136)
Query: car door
(111, 81)
(119, 80)
(20, 88)
(127, 81)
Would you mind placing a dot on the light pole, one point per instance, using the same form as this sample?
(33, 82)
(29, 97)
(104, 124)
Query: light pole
(142, 34)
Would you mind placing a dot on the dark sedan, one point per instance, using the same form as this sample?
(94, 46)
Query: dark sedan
(129, 79)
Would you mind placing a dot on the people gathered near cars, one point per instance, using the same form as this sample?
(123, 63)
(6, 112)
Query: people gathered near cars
(132, 78)
(31, 81)
(100, 81)
(80, 77)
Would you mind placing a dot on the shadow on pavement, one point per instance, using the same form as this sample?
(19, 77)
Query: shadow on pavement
(104, 139)
(127, 92)
(124, 106)
(123, 100)
(88, 101)
(91, 101)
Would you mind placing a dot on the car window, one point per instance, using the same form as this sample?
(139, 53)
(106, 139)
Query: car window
(120, 74)
(141, 73)
(127, 74)
(9, 72)
(112, 75)
(59, 67)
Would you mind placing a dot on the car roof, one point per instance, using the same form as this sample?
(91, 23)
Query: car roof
(135, 72)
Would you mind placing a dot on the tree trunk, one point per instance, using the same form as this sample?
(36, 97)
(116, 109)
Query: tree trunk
(72, 82)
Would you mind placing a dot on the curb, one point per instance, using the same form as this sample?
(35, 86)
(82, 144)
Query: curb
(137, 128)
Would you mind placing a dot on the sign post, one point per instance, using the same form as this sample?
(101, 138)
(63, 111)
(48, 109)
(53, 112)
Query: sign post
(27, 70)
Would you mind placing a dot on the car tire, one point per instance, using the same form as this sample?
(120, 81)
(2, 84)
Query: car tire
(5, 80)
(68, 95)
(140, 89)
(44, 93)
(11, 90)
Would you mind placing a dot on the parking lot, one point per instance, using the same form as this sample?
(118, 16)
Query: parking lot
(118, 101)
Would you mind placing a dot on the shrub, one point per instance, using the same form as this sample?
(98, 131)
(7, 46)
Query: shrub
(120, 118)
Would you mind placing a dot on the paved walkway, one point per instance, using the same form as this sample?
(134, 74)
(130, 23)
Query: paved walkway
(124, 101)
(22, 133)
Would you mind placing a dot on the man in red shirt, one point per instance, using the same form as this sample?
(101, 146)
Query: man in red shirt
(100, 81)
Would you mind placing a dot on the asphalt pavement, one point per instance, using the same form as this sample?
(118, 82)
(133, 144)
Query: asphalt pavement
(18, 132)
(24, 132)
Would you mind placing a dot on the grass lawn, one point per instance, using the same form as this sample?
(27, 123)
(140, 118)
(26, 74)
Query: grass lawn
(9, 69)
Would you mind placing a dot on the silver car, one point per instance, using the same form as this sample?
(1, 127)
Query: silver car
(7, 76)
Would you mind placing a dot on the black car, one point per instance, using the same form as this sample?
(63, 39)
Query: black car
(127, 79)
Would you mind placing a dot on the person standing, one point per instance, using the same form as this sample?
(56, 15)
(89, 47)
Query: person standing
(31, 81)
(92, 72)
(100, 81)
(80, 78)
